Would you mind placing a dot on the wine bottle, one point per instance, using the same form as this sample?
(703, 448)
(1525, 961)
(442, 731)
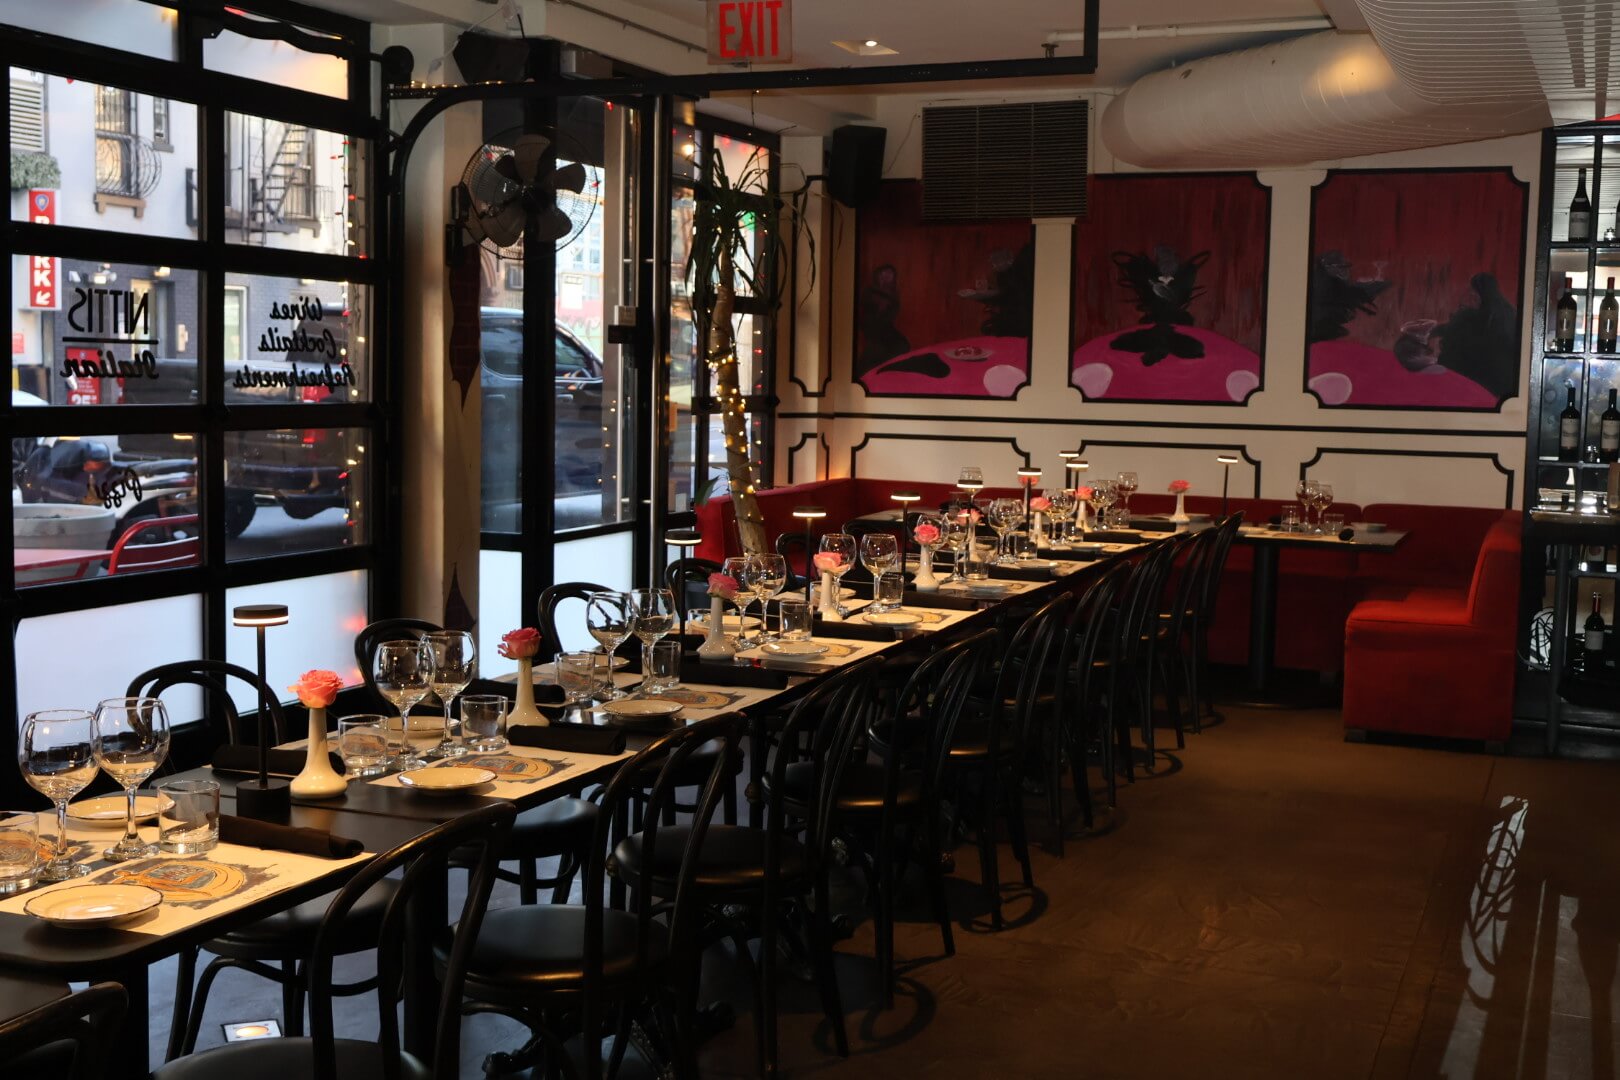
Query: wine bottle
(1580, 212)
(1595, 633)
(1609, 430)
(1566, 317)
(1569, 430)
(1608, 323)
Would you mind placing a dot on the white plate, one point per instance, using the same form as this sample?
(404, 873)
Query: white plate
(108, 811)
(729, 624)
(641, 708)
(1090, 549)
(793, 648)
(445, 779)
(988, 588)
(891, 618)
(85, 907)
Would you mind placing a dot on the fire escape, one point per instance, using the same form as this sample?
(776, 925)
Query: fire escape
(278, 161)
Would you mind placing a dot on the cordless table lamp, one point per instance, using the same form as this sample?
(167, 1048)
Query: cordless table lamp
(905, 499)
(682, 540)
(1227, 461)
(1028, 476)
(262, 798)
(807, 514)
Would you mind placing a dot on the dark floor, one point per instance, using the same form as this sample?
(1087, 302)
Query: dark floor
(1276, 903)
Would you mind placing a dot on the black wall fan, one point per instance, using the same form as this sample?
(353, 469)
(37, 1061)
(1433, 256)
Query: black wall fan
(512, 181)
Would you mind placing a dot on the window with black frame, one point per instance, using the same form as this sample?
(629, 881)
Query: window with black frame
(194, 415)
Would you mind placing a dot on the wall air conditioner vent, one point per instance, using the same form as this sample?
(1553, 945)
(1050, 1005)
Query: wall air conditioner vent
(1021, 160)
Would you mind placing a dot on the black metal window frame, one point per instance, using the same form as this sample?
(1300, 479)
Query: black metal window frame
(213, 94)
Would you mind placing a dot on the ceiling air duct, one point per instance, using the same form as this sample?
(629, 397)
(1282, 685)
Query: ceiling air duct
(1315, 98)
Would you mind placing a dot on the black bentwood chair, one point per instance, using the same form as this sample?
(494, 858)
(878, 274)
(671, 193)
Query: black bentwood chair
(560, 968)
(322, 1055)
(68, 1039)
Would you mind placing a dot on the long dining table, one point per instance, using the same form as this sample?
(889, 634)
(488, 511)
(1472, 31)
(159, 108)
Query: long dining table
(381, 814)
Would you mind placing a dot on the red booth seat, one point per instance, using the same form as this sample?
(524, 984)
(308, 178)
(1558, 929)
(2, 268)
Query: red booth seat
(1428, 659)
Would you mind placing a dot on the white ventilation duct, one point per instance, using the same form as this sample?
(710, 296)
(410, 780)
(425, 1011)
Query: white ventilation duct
(1315, 98)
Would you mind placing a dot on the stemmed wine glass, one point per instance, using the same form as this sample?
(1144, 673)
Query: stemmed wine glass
(403, 671)
(1058, 521)
(879, 553)
(129, 737)
(1302, 492)
(970, 479)
(770, 578)
(1126, 486)
(1103, 493)
(1004, 516)
(56, 755)
(455, 664)
(652, 616)
(607, 617)
(1324, 499)
(953, 537)
(842, 545)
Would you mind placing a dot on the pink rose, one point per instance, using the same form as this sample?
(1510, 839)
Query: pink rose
(317, 689)
(926, 533)
(520, 644)
(1177, 487)
(1040, 504)
(1084, 493)
(829, 560)
(722, 585)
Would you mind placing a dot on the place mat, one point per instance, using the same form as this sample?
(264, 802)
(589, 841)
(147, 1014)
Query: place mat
(535, 770)
(838, 654)
(954, 599)
(197, 888)
(700, 700)
(1003, 589)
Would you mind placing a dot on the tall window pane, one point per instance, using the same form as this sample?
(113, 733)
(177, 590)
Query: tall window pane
(294, 187)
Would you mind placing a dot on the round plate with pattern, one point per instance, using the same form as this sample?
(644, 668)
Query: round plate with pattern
(87, 907)
(695, 699)
(794, 648)
(891, 618)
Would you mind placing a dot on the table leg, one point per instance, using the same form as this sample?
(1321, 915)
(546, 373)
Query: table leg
(1262, 617)
(1558, 647)
(132, 1051)
(429, 913)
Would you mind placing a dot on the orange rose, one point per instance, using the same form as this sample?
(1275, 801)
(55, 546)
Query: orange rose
(317, 689)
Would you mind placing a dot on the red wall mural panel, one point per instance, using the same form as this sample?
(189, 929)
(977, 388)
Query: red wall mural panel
(1416, 280)
(1170, 288)
(943, 309)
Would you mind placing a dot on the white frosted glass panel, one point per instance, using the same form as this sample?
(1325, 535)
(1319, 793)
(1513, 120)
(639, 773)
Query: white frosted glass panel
(324, 614)
(277, 62)
(603, 560)
(117, 24)
(500, 587)
(64, 662)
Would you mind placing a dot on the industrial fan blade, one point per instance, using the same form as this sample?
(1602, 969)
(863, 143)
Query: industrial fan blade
(553, 225)
(570, 177)
(527, 154)
(502, 225)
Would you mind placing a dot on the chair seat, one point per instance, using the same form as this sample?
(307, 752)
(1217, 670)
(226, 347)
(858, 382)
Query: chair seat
(861, 791)
(732, 859)
(542, 948)
(559, 827)
(292, 932)
(284, 1059)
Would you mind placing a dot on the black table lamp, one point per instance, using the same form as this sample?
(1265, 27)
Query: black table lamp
(1075, 465)
(1227, 461)
(807, 514)
(683, 541)
(262, 797)
(905, 499)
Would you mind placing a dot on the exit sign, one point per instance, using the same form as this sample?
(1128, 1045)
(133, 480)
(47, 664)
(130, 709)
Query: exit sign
(750, 31)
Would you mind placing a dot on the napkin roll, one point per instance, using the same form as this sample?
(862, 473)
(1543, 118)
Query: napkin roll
(244, 761)
(578, 738)
(250, 832)
(857, 631)
(695, 670)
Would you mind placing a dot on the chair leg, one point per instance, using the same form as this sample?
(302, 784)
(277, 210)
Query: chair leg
(765, 992)
(1082, 786)
(528, 887)
(184, 981)
(820, 924)
(935, 873)
(1017, 829)
(987, 847)
(199, 1001)
(292, 997)
(1054, 780)
(567, 869)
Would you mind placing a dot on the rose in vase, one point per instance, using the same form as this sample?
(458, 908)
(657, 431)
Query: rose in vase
(926, 535)
(724, 586)
(1040, 504)
(520, 644)
(317, 689)
(1180, 487)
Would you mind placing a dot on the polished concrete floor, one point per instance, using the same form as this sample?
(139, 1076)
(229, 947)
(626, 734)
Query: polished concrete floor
(1273, 902)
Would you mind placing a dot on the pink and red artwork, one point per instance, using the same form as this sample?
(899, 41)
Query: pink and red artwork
(1170, 288)
(943, 309)
(1414, 292)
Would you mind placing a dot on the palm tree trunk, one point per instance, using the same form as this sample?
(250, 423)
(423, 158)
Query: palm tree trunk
(733, 416)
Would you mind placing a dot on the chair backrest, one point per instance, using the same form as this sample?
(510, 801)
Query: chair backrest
(478, 834)
(1088, 636)
(1226, 530)
(370, 639)
(550, 598)
(796, 548)
(1024, 671)
(213, 678)
(87, 1019)
(694, 591)
(931, 705)
(182, 550)
(1190, 551)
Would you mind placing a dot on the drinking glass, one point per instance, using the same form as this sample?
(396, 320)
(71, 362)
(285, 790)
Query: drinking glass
(1290, 519)
(796, 619)
(971, 478)
(607, 617)
(879, 553)
(55, 756)
(953, 538)
(843, 545)
(1061, 515)
(1332, 524)
(736, 568)
(888, 592)
(19, 850)
(1127, 487)
(483, 722)
(130, 738)
(1102, 498)
(1302, 491)
(652, 615)
(362, 743)
(189, 822)
(1005, 515)
(403, 671)
(455, 664)
(663, 670)
(577, 675)
(1324, 499)
(770, 579)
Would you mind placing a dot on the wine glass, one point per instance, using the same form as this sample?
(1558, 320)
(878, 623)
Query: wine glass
(455, 664)
(770, 579)
(971, 478)
(403, 671)
(607, 617)
(129, 737)
(1103, 493)
(56, 755)
(1126, 485)
(879, 553)
(1324, 499)
(1060, 517)
(953, 537)
(842, 545)
(1004, 516)
(652, 616)
(1302, 492)
(736, 568)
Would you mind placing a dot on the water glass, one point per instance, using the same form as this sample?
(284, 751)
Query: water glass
(362, 743)
(888, 591)
(483, 722)
(19, 850)
(189, 822)
(578, 675)
(1332, 523)
(976, 565)
(1290, 518)
(795, 619)
(663, 668)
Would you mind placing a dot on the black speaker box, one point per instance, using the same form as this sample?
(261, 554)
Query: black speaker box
(856, 165)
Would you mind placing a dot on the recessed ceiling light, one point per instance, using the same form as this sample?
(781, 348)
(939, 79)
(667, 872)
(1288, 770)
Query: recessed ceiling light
(866, 47)
(870, 43)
